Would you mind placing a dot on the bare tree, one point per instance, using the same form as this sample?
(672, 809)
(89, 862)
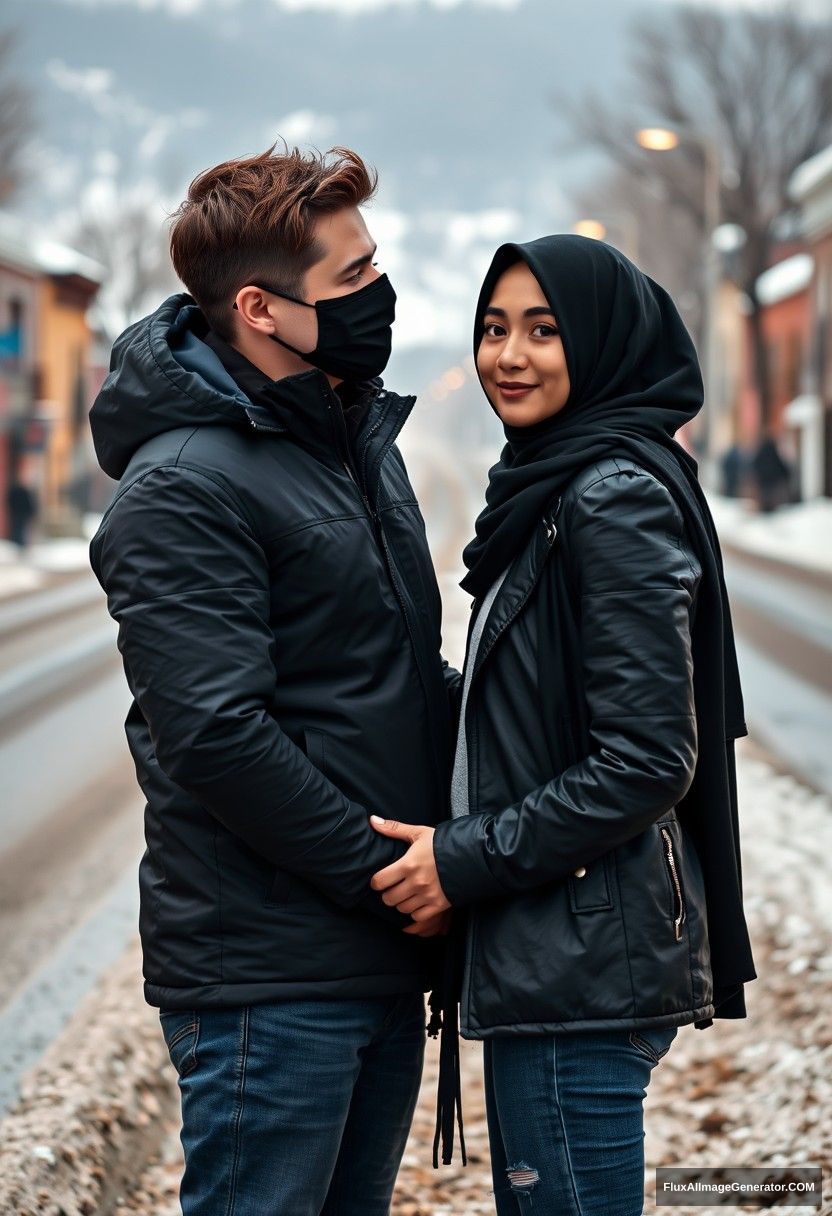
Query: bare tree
(16, 121)
(643, 224)
(758, 85)
(129, 239)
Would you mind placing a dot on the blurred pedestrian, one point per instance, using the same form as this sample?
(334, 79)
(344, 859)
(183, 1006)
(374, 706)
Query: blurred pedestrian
(593, 843)
(22, 507)
(772, 474)
(279, 621)
(733, 467)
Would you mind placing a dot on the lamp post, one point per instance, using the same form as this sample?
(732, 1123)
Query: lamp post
(596, 227)
(665, 139)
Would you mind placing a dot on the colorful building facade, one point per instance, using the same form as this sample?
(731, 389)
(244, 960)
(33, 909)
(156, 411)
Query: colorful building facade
(45, 357)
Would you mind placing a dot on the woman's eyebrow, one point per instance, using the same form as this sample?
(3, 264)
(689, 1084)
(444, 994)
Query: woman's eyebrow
(530, 312)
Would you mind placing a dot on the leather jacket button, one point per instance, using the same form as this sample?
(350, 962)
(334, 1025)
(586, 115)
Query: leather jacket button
(581, 870)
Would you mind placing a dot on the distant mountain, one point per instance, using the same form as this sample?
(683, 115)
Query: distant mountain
(452, 105)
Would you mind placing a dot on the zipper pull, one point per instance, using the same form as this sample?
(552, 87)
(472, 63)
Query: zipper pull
(549, 524)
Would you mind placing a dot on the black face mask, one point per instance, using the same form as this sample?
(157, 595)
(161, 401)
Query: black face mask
(354, 331)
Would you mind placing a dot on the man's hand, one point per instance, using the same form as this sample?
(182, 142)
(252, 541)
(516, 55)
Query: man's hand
(410, 884)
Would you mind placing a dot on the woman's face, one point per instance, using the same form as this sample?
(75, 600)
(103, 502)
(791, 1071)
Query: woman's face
(520, 358)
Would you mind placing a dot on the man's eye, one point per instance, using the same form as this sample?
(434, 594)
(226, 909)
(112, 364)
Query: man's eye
(355, 277)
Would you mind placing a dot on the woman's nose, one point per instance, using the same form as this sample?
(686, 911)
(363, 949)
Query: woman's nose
(511, 355)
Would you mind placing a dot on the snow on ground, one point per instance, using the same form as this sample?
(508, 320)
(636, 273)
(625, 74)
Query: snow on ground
(36, 568)
(798, 534)
(17, 577)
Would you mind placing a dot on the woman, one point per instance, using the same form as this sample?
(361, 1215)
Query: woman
(593, 848)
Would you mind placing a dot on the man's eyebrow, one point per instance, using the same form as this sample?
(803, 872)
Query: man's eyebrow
(530, 312)
(362, 261)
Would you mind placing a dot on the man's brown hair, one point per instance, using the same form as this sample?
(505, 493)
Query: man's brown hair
(254, 219)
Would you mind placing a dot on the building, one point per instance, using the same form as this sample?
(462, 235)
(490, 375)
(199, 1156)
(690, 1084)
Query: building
(45, 347)
(783, 294)
(809, 412)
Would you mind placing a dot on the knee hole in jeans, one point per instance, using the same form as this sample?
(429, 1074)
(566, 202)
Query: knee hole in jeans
(522, 1177)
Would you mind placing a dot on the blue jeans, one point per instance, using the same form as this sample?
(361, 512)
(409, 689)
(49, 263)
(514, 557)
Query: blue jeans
(565, 1120)
(297, 1107)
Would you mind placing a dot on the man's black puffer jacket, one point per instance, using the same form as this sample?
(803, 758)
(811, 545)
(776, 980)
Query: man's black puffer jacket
(279, 622)
(583, 893)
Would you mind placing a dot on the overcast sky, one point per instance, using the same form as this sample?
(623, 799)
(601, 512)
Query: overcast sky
(451, 100)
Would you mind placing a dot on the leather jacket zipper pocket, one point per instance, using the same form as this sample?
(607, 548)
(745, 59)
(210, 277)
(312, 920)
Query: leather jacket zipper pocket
(677, 886)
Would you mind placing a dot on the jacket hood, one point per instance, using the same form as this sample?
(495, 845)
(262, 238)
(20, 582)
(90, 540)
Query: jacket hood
(162, 376)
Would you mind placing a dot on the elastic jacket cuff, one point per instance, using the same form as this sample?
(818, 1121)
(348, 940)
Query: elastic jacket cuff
(459, 852)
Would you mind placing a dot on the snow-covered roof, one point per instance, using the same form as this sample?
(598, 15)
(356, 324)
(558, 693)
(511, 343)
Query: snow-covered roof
(785, 279)
(811, 174)
(24, 246)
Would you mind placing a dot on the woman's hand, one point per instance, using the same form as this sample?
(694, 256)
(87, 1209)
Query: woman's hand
(410, 884)
(439, 925)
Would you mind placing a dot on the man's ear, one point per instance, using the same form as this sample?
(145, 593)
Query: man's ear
(252, 306)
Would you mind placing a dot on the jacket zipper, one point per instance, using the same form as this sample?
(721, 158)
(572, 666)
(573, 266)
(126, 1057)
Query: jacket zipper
(381, 538)
(364, 497)
(671, 861)
(470, 932)
(342, 447)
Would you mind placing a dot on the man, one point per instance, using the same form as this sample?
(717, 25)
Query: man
(279, 621)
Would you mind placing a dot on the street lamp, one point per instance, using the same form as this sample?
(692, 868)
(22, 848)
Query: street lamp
(664, 139)
(596, 228)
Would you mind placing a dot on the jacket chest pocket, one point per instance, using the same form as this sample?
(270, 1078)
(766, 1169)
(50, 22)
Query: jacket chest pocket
(285, 888)
(589, 887)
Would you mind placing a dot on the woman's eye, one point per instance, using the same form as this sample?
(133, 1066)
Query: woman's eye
(491, 327)
(550, 330)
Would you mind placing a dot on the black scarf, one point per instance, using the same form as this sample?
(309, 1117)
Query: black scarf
(634, 380)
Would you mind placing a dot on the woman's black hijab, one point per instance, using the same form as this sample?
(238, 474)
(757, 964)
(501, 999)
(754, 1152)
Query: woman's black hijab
(634, 380)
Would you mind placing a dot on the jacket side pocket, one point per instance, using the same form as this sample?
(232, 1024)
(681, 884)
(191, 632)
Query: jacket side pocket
(589, 887)
(283, 886)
